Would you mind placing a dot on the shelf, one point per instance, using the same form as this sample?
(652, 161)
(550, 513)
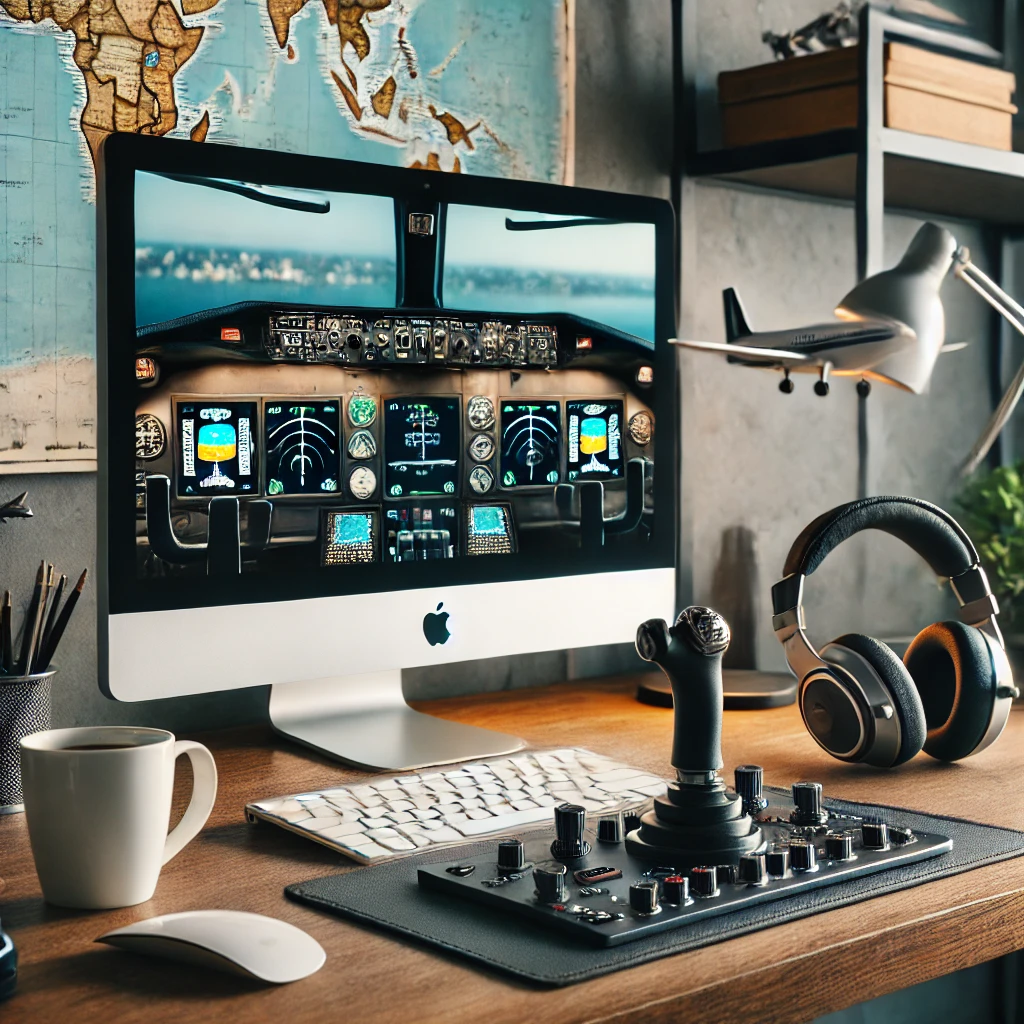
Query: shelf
(922, 173)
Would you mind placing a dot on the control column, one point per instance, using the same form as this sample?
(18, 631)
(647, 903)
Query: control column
(698, 821)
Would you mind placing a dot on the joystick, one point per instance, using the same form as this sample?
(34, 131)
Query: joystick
(698, 822)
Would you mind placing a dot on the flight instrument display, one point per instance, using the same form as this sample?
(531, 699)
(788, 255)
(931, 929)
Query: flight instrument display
(216, 449)
(531, 444)
(301, 442)
(421, 446)
(595, 440)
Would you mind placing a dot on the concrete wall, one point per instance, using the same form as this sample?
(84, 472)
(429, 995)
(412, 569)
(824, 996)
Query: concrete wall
(757, 465)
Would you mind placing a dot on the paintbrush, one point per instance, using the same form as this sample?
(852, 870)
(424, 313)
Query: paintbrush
(51, 619)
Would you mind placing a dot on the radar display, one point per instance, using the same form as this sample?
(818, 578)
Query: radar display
(421, 446)
(595, 439)
(302, 446)
(531, 435)
(216, 448)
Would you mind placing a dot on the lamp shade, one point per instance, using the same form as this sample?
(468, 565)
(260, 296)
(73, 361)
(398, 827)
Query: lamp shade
(909, 292)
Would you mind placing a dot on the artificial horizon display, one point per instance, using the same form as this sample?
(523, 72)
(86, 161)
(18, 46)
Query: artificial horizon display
(348, 429)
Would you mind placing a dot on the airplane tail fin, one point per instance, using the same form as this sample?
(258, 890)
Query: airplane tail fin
(736, 326)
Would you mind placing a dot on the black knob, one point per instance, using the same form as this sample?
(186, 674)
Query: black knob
(609, 830)
(644, 896)
(807, 798)
(900, 836)
(550, 882)
(839, 845)
(749, 780)
(570, 820)
(726, 873)
(776, 861)
(675, 889)
(875, 835)
(511, 855)
(704, 881)
(752, 869)
(802, 855)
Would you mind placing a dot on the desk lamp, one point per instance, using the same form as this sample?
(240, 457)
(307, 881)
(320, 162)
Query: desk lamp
(909, 292)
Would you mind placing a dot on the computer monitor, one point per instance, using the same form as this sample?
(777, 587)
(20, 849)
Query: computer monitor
(384, 418)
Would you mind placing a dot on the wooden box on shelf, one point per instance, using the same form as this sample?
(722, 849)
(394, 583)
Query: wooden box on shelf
(925, 92)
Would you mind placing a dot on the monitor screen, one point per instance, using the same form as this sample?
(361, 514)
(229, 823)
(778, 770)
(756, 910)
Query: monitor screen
(393, 381)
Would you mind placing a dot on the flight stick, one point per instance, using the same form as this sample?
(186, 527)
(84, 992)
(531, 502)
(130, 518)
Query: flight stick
(697, 822)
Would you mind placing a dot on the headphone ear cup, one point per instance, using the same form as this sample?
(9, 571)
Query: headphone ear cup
(952, 666)
(906, 700)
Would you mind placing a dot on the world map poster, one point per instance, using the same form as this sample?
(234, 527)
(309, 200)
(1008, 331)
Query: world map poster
(468, 86)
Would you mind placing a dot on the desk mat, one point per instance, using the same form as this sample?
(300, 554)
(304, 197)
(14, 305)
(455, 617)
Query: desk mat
(387, 895)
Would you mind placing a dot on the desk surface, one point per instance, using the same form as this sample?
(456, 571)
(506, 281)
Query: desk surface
(809, 967)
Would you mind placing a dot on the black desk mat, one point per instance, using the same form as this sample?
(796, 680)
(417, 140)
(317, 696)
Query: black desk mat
(387, 895)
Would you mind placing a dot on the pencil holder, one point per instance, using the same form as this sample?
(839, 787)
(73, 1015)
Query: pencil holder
(24, 709)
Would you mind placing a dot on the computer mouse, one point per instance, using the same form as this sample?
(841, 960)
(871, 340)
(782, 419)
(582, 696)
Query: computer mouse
(229, 940)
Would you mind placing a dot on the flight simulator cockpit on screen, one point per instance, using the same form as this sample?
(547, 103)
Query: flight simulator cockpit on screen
(290, 417)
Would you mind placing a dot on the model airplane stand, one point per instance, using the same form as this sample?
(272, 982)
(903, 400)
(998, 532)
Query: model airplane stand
(704, 850)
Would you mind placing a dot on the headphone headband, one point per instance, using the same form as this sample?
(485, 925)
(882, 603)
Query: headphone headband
(930, 531)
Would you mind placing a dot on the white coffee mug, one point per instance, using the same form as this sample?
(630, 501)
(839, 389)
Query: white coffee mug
(97, 801)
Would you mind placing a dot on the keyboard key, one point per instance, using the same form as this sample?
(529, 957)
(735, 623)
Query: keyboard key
(379, 834)
(479, 815)
(400, 817)
(477, 828)
(375, 822)
(523, 805)
(346, 828)
(449, 835)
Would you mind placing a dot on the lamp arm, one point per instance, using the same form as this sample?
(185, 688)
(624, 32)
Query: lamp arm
(1013, 313)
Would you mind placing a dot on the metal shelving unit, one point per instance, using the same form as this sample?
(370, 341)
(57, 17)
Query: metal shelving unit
(874, 167)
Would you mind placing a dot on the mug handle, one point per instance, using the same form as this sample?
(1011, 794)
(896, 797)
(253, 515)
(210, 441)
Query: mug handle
(204, 793)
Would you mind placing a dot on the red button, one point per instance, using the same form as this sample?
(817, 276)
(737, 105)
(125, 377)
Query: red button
(230, 334)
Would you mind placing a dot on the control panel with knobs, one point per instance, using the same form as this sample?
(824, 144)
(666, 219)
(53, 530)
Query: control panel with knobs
(704, 849)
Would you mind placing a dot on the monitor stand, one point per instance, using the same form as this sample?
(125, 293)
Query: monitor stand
(365, 721)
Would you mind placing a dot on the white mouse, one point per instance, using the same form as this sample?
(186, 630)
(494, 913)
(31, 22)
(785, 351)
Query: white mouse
(230, 940)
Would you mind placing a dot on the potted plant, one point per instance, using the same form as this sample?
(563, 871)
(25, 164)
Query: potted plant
(991, 509)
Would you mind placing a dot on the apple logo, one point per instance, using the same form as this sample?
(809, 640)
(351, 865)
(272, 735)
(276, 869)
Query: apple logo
(435, 626)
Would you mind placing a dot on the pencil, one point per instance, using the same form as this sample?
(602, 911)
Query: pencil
(31, 626)
(62, 622)
(51, 619)
(37, 643)
(6, 644)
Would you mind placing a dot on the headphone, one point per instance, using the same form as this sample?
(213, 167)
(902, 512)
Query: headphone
(951, 693)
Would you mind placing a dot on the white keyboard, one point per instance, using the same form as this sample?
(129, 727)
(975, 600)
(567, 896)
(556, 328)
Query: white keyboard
(388, 817)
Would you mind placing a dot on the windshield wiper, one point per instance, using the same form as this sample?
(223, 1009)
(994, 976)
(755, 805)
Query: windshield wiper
(240, 188)
(545, 225)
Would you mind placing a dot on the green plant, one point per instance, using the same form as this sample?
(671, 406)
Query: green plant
(992, 512)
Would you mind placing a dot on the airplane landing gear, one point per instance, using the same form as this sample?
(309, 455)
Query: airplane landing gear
(863, 388)
(786, 385)
(821, 387)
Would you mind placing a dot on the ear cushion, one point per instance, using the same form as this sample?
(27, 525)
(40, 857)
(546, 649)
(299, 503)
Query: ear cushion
(893, 673)
(951, 665)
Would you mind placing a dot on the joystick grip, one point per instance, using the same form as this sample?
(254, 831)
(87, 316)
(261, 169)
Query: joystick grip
(690, 654)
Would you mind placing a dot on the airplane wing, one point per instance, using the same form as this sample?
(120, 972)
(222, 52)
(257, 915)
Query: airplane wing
(771, 356)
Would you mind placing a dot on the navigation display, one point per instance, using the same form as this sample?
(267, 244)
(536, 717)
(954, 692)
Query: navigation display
(301, 442)
(349, 537)
(594, 440)
(216, 448)
(421, 446)
(530, 443)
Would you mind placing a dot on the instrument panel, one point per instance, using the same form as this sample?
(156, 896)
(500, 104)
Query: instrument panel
(387, 439)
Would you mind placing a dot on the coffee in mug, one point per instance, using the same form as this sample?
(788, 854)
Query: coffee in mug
(97, 801)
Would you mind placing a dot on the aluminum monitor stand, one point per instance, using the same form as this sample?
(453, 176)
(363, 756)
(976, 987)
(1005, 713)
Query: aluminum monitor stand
(364, 721)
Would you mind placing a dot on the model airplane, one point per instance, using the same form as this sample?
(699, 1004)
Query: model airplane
(890, 327)
(15, 508)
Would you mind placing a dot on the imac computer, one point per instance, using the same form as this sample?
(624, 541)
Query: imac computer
(383, 418)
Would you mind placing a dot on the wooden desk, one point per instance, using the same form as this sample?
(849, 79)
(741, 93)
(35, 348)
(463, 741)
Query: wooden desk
(789, 973)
